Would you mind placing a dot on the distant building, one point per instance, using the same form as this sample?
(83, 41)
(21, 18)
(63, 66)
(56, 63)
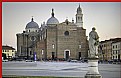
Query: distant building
(9, 51)
(105, 49)
(116, 50)
(54, 40)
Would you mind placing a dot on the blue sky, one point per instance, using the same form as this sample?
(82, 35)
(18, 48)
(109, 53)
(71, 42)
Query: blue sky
(106, 17)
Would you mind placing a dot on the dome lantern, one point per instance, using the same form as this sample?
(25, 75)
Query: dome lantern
(52, 12)
(32, 18)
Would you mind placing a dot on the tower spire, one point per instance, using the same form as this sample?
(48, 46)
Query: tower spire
(52, 12)
(79, 10)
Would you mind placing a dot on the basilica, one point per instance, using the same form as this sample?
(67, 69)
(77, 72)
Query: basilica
(54, 40)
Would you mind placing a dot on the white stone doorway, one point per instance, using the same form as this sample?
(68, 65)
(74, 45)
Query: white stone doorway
(66, 54)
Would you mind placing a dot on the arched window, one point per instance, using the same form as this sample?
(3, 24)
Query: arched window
(79, 18)
(66, 33)
(53, 46)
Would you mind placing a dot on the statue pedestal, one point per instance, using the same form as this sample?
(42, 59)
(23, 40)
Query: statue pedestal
(93, 69)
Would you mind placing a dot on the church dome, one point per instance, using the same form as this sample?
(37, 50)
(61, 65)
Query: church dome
(52, 20)
(32, 24)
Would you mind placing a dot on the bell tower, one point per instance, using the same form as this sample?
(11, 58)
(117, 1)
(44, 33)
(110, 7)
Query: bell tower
(79, 17)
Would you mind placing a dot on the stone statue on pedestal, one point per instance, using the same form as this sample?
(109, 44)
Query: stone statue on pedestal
(93, 55)
(93, 43)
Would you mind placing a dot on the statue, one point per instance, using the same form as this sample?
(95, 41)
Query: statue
(93, 43)
(93, 55)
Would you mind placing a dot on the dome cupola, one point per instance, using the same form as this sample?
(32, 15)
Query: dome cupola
(32, 24)
(52, 20)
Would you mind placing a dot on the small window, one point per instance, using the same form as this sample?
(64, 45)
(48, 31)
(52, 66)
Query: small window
(53, 46)
(113, 57)
(66, 33)
(42, 51)
(33, 38)
(113, 47)
(79, 18)
(30, 52)
(79, 46)
(116, 46)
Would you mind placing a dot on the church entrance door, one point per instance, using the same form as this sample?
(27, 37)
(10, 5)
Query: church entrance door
(67, 54)
(79, 56)
(53, 55)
